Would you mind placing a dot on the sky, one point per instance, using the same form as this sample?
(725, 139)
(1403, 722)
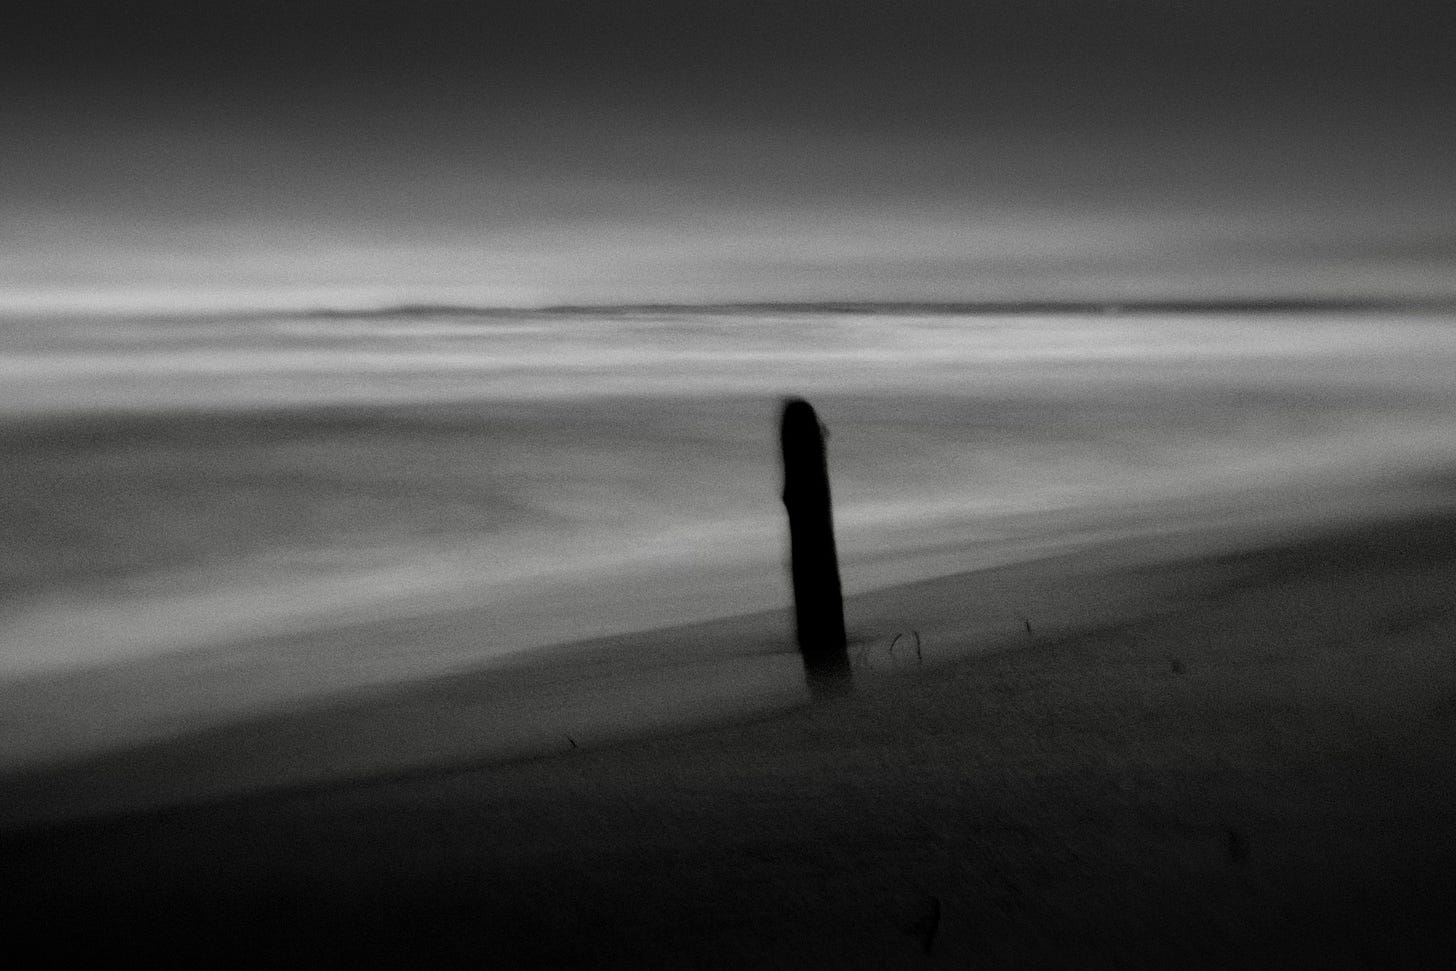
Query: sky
(181, 155)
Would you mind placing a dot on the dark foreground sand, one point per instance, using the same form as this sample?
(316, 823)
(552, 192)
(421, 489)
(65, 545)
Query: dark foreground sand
(1228, 759)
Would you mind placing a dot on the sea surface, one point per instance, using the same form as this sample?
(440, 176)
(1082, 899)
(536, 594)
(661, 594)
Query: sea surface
(179, 485)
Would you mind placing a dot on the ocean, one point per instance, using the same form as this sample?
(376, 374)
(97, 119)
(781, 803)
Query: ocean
(176, 486)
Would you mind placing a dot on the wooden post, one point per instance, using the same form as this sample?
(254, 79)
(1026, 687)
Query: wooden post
(818, 601)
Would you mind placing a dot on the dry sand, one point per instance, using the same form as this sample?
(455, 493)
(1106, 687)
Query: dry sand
(1207, 755)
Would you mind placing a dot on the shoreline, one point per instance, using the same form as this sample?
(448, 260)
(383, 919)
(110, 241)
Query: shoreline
(633, 687)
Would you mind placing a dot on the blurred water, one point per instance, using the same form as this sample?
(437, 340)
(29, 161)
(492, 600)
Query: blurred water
(172, 484)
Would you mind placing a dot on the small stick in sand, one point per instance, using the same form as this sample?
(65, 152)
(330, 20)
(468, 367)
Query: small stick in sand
(818, 601)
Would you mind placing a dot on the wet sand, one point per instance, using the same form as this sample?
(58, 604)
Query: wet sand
(1213, 754)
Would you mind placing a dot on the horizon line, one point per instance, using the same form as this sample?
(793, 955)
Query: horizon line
(949, 307)
(990, 307)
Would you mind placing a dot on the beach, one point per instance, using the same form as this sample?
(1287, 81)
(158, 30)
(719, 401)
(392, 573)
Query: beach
(427, 430)
(1233, 755)
(459, 636)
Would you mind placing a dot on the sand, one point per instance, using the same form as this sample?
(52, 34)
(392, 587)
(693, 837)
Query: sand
(1221, 753)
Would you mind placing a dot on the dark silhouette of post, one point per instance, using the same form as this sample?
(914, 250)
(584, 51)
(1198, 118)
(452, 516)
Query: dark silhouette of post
(818, 602)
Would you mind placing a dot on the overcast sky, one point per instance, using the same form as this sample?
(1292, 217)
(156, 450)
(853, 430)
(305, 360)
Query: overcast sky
(176, 154)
